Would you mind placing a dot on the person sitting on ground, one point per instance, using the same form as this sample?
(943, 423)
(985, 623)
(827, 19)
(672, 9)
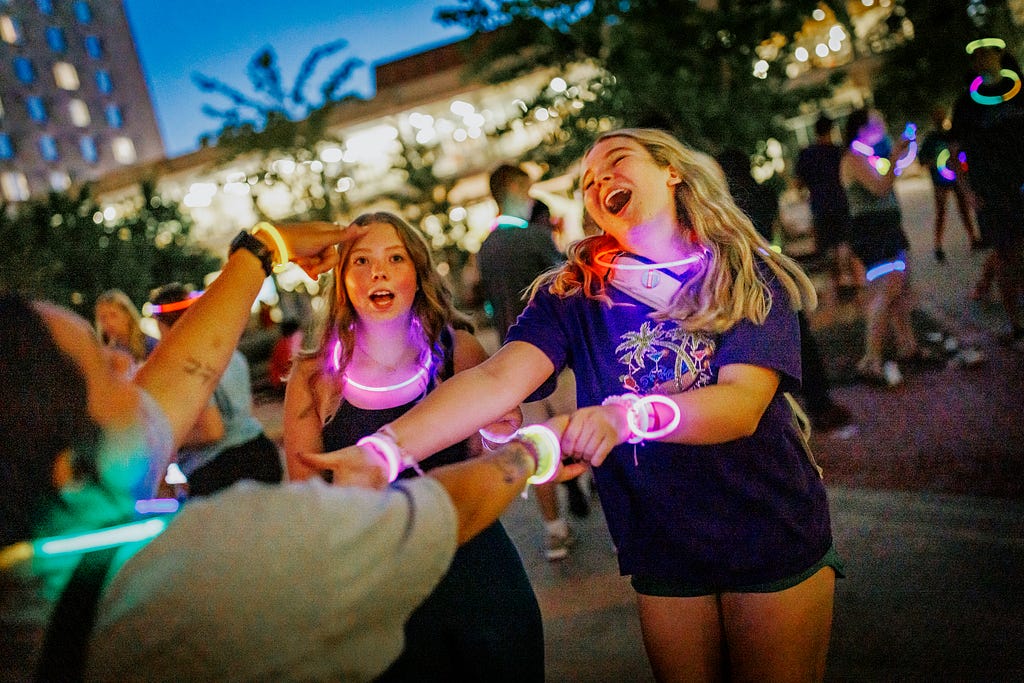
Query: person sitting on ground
(84, 443)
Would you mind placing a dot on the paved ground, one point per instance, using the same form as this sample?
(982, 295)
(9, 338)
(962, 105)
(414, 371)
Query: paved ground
(927, 500)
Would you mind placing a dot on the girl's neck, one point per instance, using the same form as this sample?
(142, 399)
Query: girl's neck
(659, 241)
(391, 345)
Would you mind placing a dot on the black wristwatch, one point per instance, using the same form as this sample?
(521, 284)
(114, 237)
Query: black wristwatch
(245, 240)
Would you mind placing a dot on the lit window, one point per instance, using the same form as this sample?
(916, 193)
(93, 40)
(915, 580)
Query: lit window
(10, 30)
(87, 145)
(124, 150)
(60, 180)
(103, 81)
(14, 185)
(37, 109)
(6, 148)
(93, 47)
(83, 12)
(114, 118)
(23, 70)
(79, 113)
(66, 76)
(45, 6)
(48, 148)
(55, 38)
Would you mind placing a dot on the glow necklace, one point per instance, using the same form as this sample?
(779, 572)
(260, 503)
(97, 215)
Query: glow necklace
(693, 258)
(175, 305)
(995, 99)
(940, 165)
(881, 164)
(505, 221)
(420, 374)
(83, 542)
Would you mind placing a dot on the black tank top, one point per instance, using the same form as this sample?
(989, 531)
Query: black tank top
(351, 423)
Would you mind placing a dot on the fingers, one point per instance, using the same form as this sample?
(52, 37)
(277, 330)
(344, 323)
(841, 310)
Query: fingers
(591, 433)
(352, 466)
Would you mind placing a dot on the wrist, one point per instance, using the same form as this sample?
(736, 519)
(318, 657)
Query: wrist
(642, 417)
(543, 446)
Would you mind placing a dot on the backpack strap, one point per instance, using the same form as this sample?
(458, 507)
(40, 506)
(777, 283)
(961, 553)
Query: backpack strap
(67, 636)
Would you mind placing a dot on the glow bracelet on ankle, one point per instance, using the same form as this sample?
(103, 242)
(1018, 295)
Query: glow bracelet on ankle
(283, 255)
(548, 451)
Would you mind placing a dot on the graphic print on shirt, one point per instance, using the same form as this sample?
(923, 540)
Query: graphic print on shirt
(662, 352)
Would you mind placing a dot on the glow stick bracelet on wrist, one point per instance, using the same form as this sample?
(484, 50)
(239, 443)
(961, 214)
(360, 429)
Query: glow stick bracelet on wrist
(283, 255)
(641, 413)
(387, 450)
(547, 449)
(646, 406)
(629, 401)
(491, 441)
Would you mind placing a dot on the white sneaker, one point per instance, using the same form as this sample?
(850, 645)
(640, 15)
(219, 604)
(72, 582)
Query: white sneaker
(557, 547)
(892, 373)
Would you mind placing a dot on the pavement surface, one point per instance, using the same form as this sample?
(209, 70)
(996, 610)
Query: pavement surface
(927, 499)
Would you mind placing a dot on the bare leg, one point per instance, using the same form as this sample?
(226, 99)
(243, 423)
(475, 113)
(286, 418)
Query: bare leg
(966, 215)
(941, 196)
(781, 636)
(683, 637)
(876, 321)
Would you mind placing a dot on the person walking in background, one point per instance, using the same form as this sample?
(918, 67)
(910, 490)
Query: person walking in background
(391, 338)
(761, 204)
(117, 324)
(679, 321)
(209, 461)
(934, 154)
(878, 240)
(988, 127)
(817, 169)
(519, 248)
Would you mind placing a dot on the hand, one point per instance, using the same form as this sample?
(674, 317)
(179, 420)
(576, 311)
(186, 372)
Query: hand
(567, 469)
(352, 466)
(313, 245)
(503, 428)
(594, 431)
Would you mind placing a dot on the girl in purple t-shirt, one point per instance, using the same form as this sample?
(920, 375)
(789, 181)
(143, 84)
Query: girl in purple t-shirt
(722, 520)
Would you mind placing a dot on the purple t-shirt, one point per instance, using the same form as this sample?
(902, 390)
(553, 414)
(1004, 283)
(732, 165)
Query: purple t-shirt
(724, 516)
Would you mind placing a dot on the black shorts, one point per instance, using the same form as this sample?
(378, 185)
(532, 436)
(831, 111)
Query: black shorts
(1001, 218)
(877, 237)
(831, 229)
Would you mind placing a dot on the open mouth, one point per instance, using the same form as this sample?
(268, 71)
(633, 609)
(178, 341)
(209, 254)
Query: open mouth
(381, 298)
(616, 200)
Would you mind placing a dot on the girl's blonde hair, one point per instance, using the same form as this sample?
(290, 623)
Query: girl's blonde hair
(136, 337)
(724, 288)
(433, 307)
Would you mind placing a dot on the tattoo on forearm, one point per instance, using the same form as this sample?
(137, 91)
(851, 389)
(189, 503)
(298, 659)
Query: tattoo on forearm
(197, 368)
(513, 461)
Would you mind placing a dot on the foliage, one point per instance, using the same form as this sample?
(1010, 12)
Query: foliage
(934, 69)
(60, 248)
(286, 124)
(667, 63)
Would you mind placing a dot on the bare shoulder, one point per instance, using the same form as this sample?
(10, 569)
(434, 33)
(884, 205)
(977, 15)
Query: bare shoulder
(468, 350)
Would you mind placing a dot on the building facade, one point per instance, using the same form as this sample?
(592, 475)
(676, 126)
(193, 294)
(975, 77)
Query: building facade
(74, 104)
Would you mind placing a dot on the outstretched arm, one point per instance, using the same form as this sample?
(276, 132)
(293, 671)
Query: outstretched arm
(183, 371)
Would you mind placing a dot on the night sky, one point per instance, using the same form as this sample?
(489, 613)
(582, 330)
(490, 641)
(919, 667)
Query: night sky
(218, 38)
